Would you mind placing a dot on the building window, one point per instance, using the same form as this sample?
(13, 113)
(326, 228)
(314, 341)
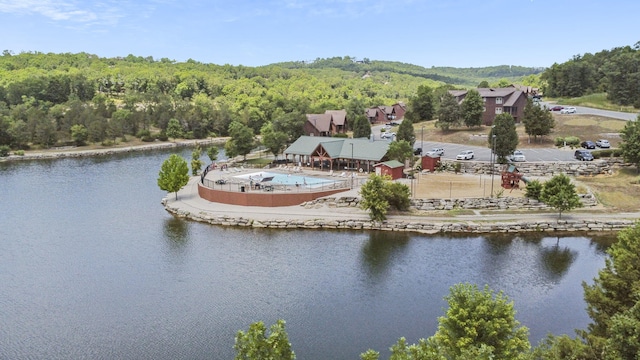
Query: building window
(484, 109)
(484, 99)
(499, 100)
(498, 110)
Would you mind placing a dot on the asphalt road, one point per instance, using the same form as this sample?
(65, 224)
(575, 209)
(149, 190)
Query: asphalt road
(484, 153)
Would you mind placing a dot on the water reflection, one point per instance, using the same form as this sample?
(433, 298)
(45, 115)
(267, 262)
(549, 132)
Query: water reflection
(379, 251)
(557, 259)
(176, 232)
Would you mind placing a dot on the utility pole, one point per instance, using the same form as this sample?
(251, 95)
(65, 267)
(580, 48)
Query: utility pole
(493, 155)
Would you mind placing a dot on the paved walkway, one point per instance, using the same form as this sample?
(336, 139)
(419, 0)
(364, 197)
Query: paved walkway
(190, 201)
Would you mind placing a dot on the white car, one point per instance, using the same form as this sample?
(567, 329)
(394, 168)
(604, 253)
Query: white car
(387, 135)
(436, 151)
(603, 143)
(465, 155)
(517, 156)
(568, 110)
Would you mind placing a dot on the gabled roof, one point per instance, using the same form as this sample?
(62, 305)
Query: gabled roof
(340, 148)
(338, 116)
(372, 112)
(391, 164)
(387, 109)
(322, 122)
(496, 92)
(513, 98)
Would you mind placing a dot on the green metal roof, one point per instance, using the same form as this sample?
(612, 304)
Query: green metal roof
(392, 164)
(340, 148)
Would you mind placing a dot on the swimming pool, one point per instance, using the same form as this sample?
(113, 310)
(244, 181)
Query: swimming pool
(286, 179)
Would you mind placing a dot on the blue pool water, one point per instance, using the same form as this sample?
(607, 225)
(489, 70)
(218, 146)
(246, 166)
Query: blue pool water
(286, 179)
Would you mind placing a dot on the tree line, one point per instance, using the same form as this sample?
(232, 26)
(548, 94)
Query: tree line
(615, 71)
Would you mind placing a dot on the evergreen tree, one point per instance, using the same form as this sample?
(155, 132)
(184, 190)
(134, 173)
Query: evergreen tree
(174, 174)
(506, 137)
(537, 121)
(406, 132)
(560, 194)
(630, 145)
(449, 112)
(472, 109)
(361, 127)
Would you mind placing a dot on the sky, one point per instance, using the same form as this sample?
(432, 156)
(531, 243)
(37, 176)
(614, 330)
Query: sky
(456, 33)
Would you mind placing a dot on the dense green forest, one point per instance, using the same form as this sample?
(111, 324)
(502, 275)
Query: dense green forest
(53, 99)
(615, 72)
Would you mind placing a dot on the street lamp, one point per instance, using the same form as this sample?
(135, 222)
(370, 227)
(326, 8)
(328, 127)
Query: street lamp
(421, 139)
(493, 155)
(351, 165)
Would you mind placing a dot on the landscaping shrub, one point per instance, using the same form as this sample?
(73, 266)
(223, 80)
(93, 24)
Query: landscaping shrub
(19, 152)
(533, 190)
(4, 150)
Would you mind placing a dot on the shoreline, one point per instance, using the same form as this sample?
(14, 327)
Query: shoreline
(76, 152)
(190, 206)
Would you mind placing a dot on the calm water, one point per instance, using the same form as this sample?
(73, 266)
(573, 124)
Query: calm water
(91, 266)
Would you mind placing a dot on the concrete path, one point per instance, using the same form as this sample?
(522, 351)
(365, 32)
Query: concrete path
(189, 201)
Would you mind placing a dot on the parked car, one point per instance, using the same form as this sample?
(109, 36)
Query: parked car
(556, 108)
(568, 110)
(583, 155)
(517, 156)
(417, 151)
(387, 135)
(603, 143)
(436, 151)
(588, 144)
(465, 155)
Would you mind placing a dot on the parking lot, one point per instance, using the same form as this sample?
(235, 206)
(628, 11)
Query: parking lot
(484, 153)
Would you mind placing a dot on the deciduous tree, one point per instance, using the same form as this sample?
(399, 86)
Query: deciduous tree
(400, 150)
(241, 141)
(256, 344)
(421, 107)
(480, 322)
(174, 174)
(174, 129)
(560, 194)
(472, 109)
(374, 198)
(273, 140)
(449, 112)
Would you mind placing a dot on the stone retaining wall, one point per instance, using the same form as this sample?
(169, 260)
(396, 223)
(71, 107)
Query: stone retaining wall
(502, 203)
(544, 168)
(428, 227)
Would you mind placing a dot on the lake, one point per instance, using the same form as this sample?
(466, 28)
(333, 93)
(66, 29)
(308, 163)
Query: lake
(92, 266)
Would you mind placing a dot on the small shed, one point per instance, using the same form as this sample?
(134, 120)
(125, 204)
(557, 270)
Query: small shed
(430, 161)
(392, 168)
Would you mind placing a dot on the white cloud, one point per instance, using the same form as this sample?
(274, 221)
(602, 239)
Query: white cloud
(67, 11)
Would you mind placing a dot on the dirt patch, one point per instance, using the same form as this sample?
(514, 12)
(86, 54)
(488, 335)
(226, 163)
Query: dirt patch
(450, 185)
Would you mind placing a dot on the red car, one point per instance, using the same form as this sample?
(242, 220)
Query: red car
(556, 108)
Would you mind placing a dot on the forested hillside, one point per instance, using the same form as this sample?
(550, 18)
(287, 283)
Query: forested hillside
(51, 99)
(615, 71)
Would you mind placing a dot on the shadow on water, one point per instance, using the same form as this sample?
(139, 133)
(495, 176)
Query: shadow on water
(380, 249)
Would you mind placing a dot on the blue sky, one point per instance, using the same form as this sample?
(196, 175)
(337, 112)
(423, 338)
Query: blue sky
(458, 33)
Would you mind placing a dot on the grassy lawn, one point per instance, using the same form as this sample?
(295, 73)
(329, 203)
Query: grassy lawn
(586, 127)
(597, 101)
